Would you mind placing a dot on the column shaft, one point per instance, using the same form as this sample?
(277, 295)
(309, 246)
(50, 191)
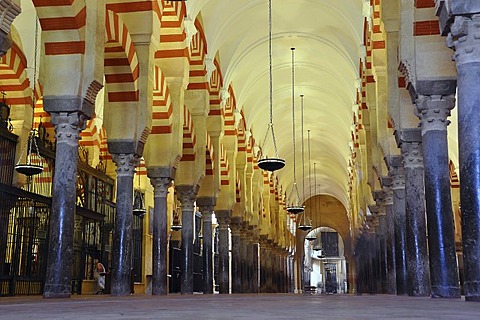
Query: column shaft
(464, 39)
(62, 218)
(159, 257)
(236, 267)
(397, 173)
(433, 112)
(122, 236)
(417, 256)
(223, 219)
(187, 195)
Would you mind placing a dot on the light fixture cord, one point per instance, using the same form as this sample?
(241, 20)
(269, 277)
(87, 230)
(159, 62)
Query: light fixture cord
(303, 148)
(309, 169)
(271, 73)
(293, 128)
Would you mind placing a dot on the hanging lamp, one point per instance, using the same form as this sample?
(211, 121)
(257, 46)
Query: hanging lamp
(33, 160)
(310, 237)
(294, 208)
(138, 200)
(307, 225)
(270, 164)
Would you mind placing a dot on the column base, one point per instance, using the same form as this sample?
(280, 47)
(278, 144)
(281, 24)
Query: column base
(445, 292)
(57, 292)
(473, 298)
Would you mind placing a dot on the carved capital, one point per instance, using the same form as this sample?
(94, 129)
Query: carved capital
(187, 195)
(68, 126)
(398, 177)
(433, 112)
(206, 204)
(464, 39)
(412, 154)
(126, 163)
(388, 195)
(223, 218)
(160, 186)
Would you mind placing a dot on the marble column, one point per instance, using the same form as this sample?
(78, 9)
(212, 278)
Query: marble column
(433, 112)
(390, 235)
(417, 255)
(397, 173)
(122, 234)
(464, 39)
(206, 206)
(62, 218)
(223, 219)
(252, 256)
(244, 263)
(160, 182)
(263, 265)
(186, 195)
(236, 268)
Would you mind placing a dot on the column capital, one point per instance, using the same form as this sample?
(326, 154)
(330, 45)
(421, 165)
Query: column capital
(410, 142)
(463, 38)
(187, 195)
(412, 154)
(160, 186)
(126, 163)
(206, 204)
(68, 126)
(223, 218)
(396, 171)
(433, 112)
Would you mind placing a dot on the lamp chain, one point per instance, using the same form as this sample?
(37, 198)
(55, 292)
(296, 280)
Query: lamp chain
(309, 168)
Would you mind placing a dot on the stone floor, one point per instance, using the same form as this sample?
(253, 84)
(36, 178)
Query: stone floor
(244, 306)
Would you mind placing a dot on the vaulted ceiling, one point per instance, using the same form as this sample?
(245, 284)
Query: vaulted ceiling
(328, 37)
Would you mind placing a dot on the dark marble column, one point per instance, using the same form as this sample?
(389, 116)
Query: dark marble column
(252, 255)
(236, 230)
(397, 173)
(62, 218)
(263, 265)
(390, 235)
(223, 219)
(122, 234)
(417, 255)
(187, 195)
(206, 206)
(433, 112)
(463, 38)
(244, 263)
(161, 181)
(236, 268)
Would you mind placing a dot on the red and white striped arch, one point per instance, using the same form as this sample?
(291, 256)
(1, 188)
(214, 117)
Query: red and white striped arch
(216, 83)
(209, 157)
(172, 33)
(162, 120)
(13, 77)
(189, 140)
(121, 62)
(63, 23)
(224, 167)
(230, 107)
(238, 188)
(198, 51)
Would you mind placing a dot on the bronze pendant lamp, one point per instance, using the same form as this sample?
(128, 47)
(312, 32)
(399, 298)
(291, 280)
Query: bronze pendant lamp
(138, 200)
(33, 164)
(295, 208)
(276, 163)
(307, 224)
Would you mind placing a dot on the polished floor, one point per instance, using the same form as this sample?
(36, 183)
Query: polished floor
(242, 306)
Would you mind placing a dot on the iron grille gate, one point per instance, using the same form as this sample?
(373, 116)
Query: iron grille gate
(23, 234)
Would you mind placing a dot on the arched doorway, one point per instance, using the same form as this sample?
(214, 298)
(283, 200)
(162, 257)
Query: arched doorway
(325, 263)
